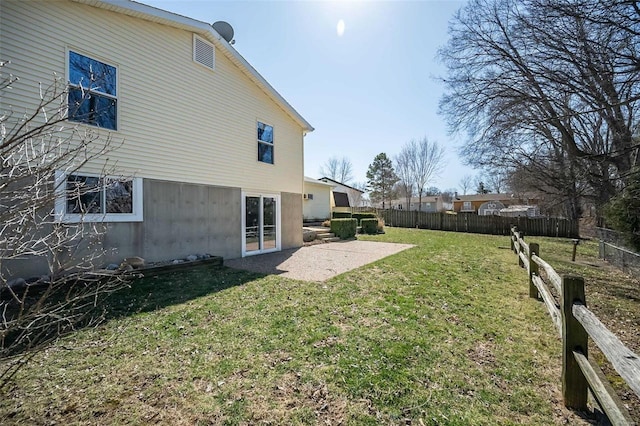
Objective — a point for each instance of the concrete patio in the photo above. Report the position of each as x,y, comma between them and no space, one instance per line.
318,262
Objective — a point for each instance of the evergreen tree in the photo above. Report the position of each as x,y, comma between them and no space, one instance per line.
381,179
623,211
481,189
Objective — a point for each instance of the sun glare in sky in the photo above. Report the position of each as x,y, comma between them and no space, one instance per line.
340,28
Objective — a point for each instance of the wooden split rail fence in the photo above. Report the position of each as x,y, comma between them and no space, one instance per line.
576,324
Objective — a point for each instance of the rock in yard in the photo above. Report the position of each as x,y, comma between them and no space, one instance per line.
308,236
111,267
136,262
125,267
192,257
176,261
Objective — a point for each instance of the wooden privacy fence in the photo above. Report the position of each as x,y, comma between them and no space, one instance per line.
470,222
576,324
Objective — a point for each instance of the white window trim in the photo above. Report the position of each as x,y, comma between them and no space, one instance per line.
106,95
467,206
271,144
243,223
61,214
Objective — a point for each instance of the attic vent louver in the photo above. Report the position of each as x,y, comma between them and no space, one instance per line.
203,52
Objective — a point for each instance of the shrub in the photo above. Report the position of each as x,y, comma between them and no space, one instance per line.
361,216
341,215
344,228
369,225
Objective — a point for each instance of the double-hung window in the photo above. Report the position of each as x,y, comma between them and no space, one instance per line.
265,143
89,198
92,91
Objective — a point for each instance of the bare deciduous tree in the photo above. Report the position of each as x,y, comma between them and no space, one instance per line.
466,183
35,149
428,162
551,86
338,169
404,171
359,198
447,195
496,180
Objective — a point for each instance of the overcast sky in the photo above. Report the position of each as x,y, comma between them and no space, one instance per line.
364,74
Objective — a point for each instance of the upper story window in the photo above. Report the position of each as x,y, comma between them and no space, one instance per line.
265,143
466,205
92,198
92,91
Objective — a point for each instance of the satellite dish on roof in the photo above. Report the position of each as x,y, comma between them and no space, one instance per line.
224,29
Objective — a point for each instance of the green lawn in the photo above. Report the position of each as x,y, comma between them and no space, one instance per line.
612,295
443,333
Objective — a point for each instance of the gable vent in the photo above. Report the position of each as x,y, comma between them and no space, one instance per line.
203,52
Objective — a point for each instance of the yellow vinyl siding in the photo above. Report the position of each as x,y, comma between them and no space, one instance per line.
179,121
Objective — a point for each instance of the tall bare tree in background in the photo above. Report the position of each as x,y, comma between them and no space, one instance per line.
427,163
404,170
495,180
35,148
338,169
550,88
465,183
358,197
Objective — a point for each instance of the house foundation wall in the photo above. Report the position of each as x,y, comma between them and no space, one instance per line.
291,220
179,219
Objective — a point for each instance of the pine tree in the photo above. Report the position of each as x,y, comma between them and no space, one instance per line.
381,179
481,189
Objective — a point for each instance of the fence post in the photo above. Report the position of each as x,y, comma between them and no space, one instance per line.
521,237
533,269
574,338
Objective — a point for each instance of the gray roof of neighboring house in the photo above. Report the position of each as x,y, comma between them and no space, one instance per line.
160,16
426,199
324,178
317,182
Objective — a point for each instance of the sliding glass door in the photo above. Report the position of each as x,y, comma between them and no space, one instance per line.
261,223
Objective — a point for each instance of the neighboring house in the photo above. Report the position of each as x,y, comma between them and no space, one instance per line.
488,204
491,208
316,204
214,151
429,204
344,195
